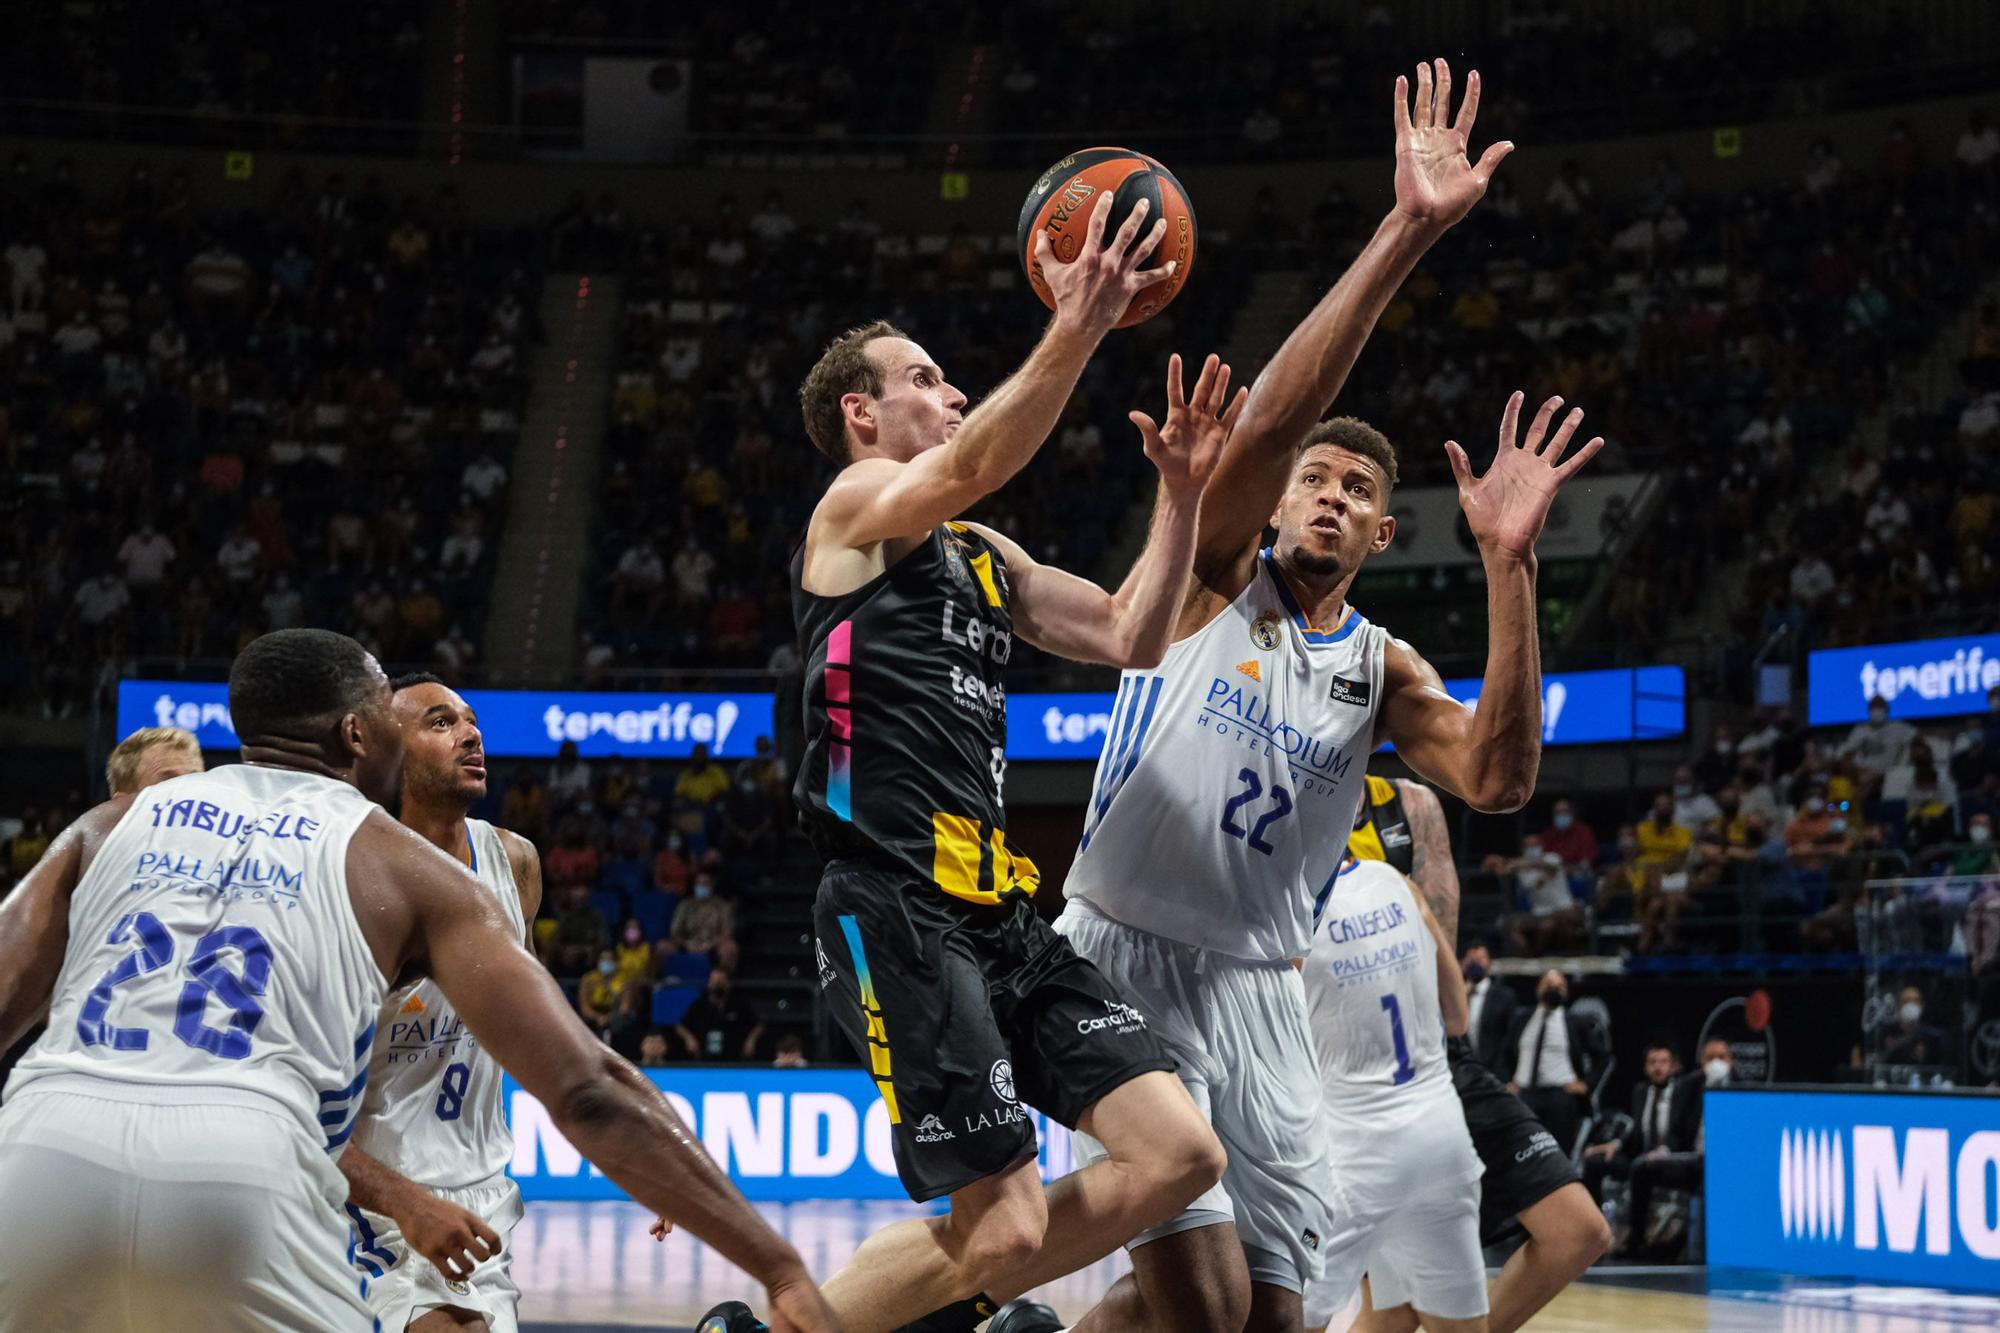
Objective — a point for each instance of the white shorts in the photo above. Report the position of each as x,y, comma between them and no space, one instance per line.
1405,1211
168,1215
1239,1031
402,1285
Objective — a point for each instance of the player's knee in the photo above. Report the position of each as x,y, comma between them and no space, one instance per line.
1000,1245
1189,1164
1583,1236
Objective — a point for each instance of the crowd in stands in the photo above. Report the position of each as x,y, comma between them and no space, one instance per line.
1763,841
1196,83
218,424
643,866
275,73
704,496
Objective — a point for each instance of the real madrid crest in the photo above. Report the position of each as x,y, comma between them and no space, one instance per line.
1264,630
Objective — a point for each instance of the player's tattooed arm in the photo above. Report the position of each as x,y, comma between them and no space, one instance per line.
34,920
1431,865
1453,1005
454,1239
1436,185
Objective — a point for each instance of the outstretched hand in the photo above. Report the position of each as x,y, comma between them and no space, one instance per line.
1187,448
1436,183
1507,507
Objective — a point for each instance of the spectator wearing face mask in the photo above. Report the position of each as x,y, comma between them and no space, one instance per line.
597,996
1694,808
635,955
1571,839
704,923
1492,1005
1661,866
791,1053
717,1027
1553,919
1910,1040
1555,1058
1978,857
1877,745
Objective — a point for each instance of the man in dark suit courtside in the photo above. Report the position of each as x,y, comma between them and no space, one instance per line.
1493,1006
1554,1059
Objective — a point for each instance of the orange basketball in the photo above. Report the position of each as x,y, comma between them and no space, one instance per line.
1064,195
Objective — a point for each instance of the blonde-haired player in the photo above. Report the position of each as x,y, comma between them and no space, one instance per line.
149,756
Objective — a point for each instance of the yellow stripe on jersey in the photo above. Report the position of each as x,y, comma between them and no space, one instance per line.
982,569
1365,843
969,863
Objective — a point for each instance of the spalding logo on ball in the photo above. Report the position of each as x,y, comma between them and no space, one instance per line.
1060,205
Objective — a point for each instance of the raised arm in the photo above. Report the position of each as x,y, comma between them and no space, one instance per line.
1453,1005
1073,617
430,916
1436,185
1488,755
1431,867
880,499
34,920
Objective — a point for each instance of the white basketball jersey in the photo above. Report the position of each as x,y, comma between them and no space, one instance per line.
1372,996
214,954
434,1110
1231,775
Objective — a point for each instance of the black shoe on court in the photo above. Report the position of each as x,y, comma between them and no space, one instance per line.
731,1317
1025,1316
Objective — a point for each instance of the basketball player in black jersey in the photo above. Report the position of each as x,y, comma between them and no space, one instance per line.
1529,1184
963,1001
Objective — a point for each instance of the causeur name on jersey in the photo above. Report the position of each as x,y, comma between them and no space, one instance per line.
212,818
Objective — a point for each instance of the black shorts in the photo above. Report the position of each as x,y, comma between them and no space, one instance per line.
1524,1163
965,1014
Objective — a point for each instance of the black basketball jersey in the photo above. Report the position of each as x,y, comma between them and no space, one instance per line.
1381,829
906,717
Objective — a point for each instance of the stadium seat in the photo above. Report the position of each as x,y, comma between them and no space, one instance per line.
655,912
611,905
692,967
671,1002
627,877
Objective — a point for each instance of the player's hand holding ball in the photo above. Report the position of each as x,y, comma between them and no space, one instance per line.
1436,182
1187,447
1091,292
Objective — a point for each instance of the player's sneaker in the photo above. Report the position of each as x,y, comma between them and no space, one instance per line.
731,1317
1025,1316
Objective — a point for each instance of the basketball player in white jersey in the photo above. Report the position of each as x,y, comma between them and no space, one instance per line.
1383,990
428,1192
1233,771
211,956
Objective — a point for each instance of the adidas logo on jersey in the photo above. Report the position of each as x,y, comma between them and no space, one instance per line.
414,1005
931,1130
1252,670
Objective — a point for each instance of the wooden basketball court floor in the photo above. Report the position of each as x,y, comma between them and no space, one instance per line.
591,1268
